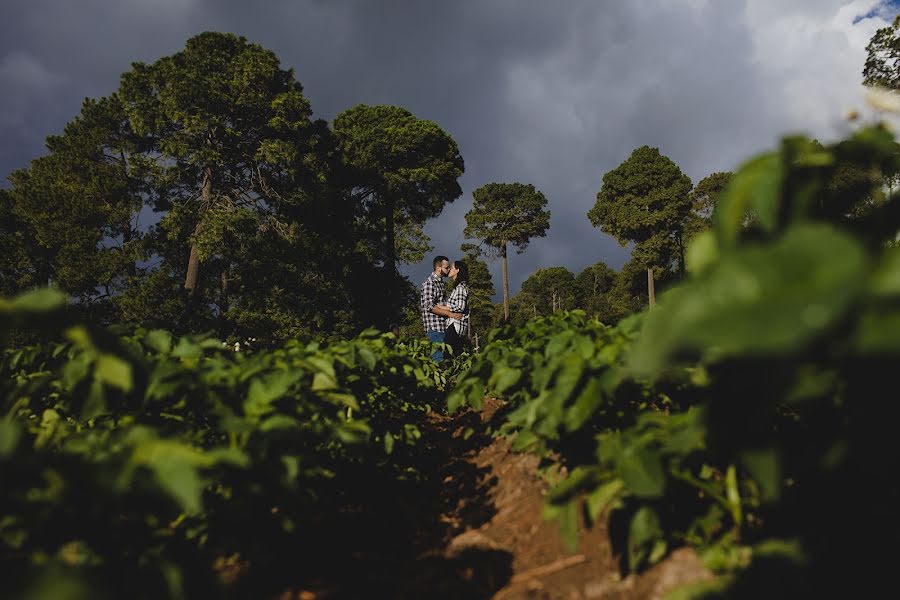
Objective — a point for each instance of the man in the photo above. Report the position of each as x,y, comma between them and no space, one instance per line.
433,304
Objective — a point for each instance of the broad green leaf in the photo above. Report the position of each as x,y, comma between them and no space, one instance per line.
644,535
764,466
353,432
589,398
756,188
185,348
566,490
566,377
95,403
159,340
323,382
10,433
566,515
35,301
604,496
367,358
278,422
878,331
323,365
264,390
503,379
756,299
702,252
790,550
343,399
641,470
113,371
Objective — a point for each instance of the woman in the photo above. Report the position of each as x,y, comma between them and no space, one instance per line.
458,329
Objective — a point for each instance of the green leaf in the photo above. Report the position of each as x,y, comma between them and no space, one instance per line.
159,340
641,470
756,188
702,252
567,517
388,443
756,299
278,422
95,403
503,378
604,496
566,490
10,434
265,390
367,358
35,301
187,349
113,371
644,538
353,432
589,398
764,466
323,382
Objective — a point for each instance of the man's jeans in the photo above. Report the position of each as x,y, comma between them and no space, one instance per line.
436,337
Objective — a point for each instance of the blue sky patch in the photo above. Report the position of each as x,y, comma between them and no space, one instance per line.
887,9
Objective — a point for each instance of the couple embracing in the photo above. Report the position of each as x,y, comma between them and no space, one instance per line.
446,319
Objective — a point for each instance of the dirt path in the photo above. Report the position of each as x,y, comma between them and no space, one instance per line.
469,526
542,566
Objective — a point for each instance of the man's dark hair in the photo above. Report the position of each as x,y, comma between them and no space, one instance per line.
438,260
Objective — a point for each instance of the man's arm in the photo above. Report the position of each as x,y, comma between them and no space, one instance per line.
429,302
443,311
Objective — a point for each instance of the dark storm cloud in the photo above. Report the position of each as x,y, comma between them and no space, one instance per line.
552,94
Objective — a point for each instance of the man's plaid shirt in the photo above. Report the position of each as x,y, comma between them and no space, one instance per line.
433,292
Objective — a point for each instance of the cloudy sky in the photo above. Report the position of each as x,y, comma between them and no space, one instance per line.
549,93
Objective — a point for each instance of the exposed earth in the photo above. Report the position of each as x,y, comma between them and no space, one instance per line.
472,529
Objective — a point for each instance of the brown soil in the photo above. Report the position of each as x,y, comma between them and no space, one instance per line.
473,528
542,565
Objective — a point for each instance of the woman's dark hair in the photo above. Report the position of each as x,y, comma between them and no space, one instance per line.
463,275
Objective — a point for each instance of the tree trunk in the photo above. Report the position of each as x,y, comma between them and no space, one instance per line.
505,283
127,236
127,231
390,258
650,291
193,270
681,261
223,305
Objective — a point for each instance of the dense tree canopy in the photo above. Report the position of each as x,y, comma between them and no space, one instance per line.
216,140
402,170
703,203
80,202
646,201
503,214
233,135
882,66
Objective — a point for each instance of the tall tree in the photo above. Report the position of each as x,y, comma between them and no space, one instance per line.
882,66
481,291
20,260
645,200
402,171
232,130
703,203
550,289
592,287
82,199
503,214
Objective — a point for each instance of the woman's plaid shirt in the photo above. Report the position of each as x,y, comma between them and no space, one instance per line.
433,292
459,302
